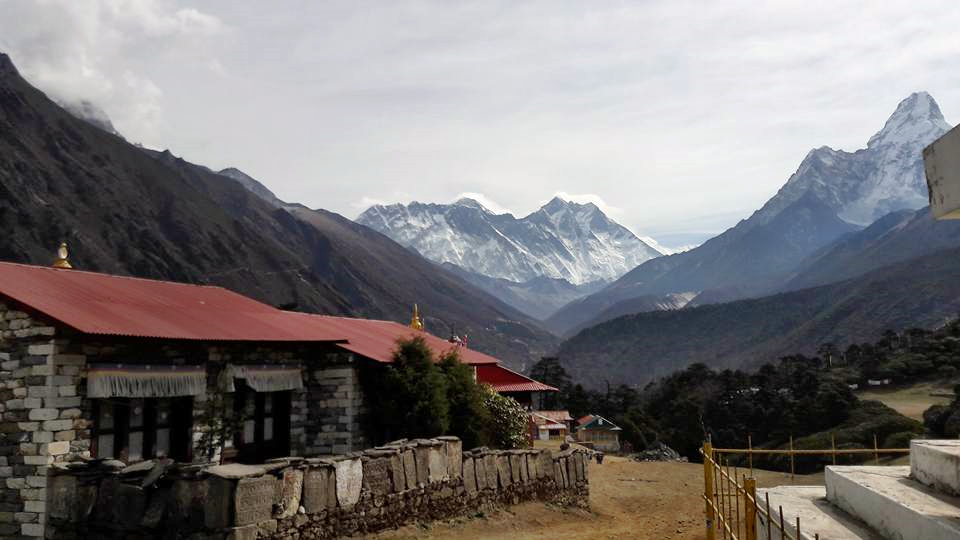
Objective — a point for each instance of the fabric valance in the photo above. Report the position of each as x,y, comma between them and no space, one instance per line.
145,381
263,378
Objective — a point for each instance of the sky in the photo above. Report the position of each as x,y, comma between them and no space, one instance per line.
677,118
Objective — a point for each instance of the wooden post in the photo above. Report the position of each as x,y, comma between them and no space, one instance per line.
750,504
708,490
876,454
791,458
750,455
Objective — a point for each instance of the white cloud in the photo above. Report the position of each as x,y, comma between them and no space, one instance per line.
667,110
103,51
487,202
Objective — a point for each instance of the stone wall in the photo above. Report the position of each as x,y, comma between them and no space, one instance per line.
42,417
382,488
336,404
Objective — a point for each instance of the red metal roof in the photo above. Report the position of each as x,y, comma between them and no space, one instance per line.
377,340
95,303
504,380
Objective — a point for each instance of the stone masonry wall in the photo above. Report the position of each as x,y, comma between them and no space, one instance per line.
335,404
386,487
42,418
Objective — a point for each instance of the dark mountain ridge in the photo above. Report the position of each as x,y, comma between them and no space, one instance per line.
127,211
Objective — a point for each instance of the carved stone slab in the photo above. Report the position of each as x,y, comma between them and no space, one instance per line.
515,466
469,477
291,491
409,460
571,470
479,465
578,461
503,470
454,451
349,481
319,490
423,464
377,477
438,464
62,496
396,473
490,467
545,464
253,499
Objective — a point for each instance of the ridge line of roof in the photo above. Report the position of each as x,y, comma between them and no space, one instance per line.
77,271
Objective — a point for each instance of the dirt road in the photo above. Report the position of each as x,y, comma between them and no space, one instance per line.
628,500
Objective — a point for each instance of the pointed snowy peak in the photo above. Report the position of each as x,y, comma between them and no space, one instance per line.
915,117
471,203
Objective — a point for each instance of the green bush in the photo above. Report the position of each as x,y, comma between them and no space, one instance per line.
509,420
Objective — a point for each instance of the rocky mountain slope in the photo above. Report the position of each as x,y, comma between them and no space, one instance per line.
125,210
918,292
895,237
832,193
562,240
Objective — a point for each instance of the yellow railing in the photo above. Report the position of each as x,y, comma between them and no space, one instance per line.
732,507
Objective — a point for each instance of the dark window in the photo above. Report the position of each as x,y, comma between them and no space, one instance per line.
264,427
135,429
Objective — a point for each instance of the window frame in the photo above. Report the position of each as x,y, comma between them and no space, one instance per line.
179,438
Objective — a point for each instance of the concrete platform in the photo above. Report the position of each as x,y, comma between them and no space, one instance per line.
892,504
936,463
817,515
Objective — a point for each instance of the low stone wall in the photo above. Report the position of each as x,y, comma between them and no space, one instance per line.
382,488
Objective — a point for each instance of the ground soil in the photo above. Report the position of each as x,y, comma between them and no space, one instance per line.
628,499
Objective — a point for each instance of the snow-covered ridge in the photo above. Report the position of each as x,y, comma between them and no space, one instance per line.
561,240
869,183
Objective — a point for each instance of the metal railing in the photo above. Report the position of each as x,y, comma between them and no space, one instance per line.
732,508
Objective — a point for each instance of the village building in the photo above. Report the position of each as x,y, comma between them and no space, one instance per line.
551,425
598,433
104,366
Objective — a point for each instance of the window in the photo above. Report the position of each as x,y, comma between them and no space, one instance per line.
265,424
135,429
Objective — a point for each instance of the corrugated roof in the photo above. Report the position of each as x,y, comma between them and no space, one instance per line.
377,340
104,304
558,416
505,380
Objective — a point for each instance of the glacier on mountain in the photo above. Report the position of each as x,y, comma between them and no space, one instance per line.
562,240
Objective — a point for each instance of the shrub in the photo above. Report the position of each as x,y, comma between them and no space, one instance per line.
509,420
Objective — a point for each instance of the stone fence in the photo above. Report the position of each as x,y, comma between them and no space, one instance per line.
363,492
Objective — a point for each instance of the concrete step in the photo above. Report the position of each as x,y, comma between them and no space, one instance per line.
936,463
892,504
817,516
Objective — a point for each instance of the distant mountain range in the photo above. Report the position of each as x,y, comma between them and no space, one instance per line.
832,193
127,210
536,263
634,349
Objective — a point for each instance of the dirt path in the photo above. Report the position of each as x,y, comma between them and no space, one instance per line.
627,499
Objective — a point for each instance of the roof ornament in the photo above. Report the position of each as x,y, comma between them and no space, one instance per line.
416,322
62,254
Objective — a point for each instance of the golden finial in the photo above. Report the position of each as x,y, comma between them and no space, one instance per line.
62,255
416,322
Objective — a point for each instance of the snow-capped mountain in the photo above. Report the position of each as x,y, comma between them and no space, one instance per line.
832,193
884,177
561,240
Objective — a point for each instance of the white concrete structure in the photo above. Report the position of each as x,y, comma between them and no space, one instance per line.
941,161
817,516
936,464
870,502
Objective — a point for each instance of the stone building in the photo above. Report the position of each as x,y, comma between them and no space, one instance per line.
102,366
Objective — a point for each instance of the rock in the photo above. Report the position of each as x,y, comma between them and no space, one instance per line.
349,481
235,471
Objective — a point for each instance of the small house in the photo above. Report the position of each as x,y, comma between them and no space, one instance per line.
599,432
